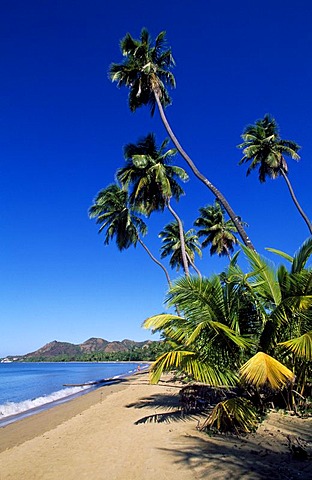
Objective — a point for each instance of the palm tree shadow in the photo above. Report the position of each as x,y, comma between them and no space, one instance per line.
170,402
236,459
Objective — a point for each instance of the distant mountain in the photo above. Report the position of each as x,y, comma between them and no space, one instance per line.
55,348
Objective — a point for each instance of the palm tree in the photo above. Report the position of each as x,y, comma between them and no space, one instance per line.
111,210
264,149
255,328
207,337
284,301
152,180
146,72
170,236
218,232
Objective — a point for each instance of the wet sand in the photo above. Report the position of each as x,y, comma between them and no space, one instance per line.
102,435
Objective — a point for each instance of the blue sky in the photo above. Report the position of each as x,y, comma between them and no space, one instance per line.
63,127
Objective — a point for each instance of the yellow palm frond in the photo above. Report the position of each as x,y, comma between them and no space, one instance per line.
262,369
300,346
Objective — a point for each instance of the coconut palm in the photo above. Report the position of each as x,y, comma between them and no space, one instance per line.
171,246
265,150
254,327
111,210
284,301
152,181
207,337
218,232
146,72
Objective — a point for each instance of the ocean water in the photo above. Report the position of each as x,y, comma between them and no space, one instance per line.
26,388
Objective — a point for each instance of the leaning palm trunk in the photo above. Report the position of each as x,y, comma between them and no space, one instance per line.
155,260
293,196
235,219
193,265
182,241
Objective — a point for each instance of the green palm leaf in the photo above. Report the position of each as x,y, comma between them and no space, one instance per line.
300,346
264,274
189,363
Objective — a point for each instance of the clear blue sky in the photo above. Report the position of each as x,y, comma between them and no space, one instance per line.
63,126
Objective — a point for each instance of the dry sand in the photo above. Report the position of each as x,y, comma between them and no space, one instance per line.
96,437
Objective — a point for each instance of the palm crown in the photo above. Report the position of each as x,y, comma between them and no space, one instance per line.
146,68
148,175
264,148
218,232
112,212
172,245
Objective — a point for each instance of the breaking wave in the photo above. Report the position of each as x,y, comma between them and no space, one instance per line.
15,408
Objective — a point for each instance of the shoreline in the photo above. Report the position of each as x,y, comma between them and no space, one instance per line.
50,414
103,435
85,388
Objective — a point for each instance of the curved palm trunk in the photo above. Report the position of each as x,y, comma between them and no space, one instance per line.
181,232
235,219
293,196
155,260
193,265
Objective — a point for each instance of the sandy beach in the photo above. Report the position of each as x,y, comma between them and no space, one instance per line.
102,435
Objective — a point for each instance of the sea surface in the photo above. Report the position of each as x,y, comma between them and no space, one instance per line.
26,388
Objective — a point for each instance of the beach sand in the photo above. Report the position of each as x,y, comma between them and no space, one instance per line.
96,436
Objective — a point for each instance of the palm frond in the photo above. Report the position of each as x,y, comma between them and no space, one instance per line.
281,254
302,256
300,346
233,415
264,370
189,363
264,274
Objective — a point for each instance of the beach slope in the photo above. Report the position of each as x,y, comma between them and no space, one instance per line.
100,436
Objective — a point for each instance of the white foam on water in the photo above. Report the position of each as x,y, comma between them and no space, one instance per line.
14,408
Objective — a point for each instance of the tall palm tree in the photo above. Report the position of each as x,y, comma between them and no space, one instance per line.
264,149
218,232
146,72
111,210
152,181
170,236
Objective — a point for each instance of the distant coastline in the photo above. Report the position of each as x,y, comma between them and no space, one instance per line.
92,350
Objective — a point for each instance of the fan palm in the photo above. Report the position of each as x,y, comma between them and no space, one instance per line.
111,210
146,72
218,232
170,236
152,181
264,149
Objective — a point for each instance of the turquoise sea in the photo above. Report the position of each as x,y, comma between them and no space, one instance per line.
26,388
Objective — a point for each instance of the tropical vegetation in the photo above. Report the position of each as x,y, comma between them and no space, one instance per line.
251,331
146,71
244,334
152,181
